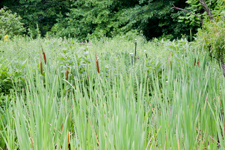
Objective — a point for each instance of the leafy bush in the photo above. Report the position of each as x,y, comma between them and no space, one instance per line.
5,80
9,81
10,23
213,38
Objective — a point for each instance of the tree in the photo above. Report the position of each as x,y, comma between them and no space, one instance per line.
43,13
197,11
96,18
212,38
156,18
92,18
10,24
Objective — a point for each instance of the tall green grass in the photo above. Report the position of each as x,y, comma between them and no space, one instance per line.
144,105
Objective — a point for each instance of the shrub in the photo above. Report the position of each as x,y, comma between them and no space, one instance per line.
213,38
10,23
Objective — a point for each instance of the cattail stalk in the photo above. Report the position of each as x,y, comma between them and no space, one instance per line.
95,55
41,67
43,54
94,130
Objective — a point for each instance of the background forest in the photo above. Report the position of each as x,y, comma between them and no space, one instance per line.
97,18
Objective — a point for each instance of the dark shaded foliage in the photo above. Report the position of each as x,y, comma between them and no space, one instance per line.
94,18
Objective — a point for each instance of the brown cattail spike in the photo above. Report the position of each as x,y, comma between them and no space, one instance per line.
44,57
97,66
197,62
67,74
43,54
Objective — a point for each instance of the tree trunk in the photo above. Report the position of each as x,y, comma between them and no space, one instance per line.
207,9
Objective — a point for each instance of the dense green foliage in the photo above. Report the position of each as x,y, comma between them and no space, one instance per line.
38,13
213,38
85,19
96,18
109,18
10,24
195,7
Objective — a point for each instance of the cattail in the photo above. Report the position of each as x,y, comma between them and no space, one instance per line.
41,67
197,63
43,54
97,66
67,74
171,64
44,57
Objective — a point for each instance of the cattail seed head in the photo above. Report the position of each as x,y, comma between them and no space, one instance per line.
43,54
44,57
67,74
97,66
196,62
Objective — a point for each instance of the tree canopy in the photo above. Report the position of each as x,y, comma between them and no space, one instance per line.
96,18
